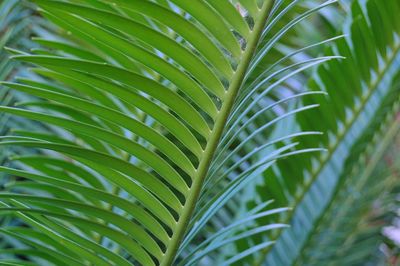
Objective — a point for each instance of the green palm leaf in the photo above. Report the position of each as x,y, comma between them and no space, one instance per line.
330,242
13,20
357,87
141,99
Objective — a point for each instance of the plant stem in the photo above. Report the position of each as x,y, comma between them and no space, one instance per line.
216,134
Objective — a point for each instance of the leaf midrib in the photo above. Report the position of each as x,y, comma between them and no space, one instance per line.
223,114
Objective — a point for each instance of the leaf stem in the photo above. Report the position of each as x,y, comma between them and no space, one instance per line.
216,134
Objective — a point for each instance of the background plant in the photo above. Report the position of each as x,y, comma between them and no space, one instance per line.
165,128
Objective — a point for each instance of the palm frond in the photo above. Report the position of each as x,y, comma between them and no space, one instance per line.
356,87
350,227
141,98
